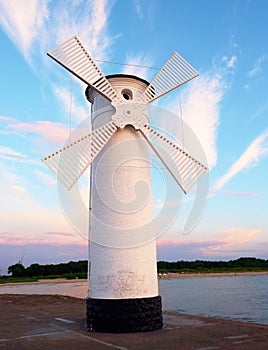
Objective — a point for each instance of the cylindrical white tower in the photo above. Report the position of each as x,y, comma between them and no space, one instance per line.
123,272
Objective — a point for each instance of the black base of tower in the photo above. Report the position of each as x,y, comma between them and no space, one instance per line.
124,315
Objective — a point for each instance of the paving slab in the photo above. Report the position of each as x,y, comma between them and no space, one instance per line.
58,322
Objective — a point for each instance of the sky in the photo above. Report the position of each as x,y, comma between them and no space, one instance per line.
226,107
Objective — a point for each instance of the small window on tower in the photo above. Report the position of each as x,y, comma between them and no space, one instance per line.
127,94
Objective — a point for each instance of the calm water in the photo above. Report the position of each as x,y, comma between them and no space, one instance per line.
242,298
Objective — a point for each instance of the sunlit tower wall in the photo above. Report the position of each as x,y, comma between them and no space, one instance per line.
123,286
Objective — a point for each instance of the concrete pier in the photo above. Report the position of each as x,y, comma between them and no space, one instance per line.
58,322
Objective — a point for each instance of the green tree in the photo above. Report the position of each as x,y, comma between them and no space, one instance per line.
17,270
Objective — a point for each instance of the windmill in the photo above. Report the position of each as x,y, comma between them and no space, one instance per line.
123,277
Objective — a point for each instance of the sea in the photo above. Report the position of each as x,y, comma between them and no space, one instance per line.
239,298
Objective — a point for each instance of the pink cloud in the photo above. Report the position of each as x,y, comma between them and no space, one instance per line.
66,234
51,131
6,119
45,238
173,250
40,253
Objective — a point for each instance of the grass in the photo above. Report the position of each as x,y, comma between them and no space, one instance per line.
68,276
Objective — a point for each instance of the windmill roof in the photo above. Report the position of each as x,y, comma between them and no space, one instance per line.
128,76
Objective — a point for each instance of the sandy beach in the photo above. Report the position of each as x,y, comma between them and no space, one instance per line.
211,274
160,276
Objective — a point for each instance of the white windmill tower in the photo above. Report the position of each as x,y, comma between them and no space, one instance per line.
123,276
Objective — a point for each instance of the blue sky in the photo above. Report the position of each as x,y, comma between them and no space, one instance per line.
226,106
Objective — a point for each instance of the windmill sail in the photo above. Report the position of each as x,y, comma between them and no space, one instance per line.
74,57
70,162
185,169
174,73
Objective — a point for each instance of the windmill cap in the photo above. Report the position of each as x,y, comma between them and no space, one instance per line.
90,93
127,76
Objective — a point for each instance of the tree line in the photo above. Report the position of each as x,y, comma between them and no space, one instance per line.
72,268
79,269
241,264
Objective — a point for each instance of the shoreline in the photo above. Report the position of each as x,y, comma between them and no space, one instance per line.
169,275
210,274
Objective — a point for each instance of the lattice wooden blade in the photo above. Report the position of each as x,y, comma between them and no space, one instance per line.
70,162
184,169
74,57
174,73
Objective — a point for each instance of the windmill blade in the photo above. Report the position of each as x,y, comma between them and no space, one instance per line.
174,73
70,162
74,57
185,170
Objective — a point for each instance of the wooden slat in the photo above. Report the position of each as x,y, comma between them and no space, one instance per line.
185,169
175,72
71,161
74,57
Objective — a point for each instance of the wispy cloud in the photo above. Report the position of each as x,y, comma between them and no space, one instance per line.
237,235
5,118
201,111
230,61
249,159
258,66
237,193
138,65
232,242
138,8
38,26
51,237
41,23
50,253
52,132
23,22
59,233
47,179
11,154
174,250
77,111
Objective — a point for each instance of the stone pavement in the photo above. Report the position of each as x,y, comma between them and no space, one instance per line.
58,322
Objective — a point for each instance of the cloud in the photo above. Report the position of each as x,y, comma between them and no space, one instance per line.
239,193
237,235
11,154
52,132
22,22
258,66
138,9
40,23
38,252
47,180
139,65
6,119
64,234
201,111
17,190
228,243
174,250
88,21
56,238
39,26
234,241
77,111
230,61
257,150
